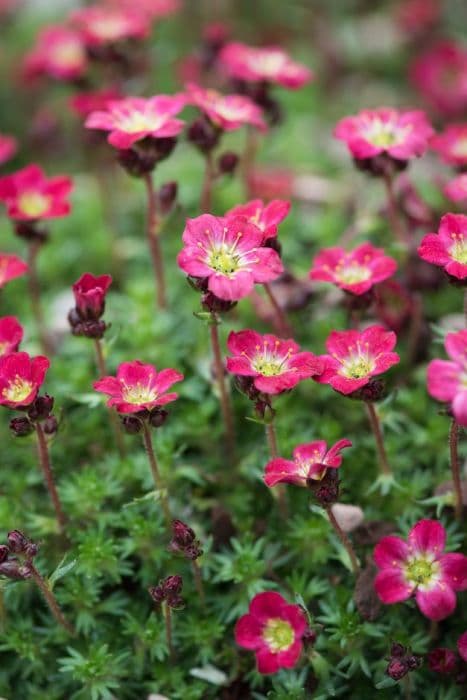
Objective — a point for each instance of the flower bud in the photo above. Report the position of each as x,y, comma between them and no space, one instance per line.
40,409
167,196
168,591
31,231
398,650
397,669
4,552
326,491
373,391
182,534
442,660
89,292
203,134
157,417
13,569
309,637
132,425
21,426
227,162
210,302
17,542
50,425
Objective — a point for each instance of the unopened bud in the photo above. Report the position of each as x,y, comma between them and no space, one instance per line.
227,162
21,426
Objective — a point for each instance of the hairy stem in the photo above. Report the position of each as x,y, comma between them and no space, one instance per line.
393,211
50,599
249,158
44,460
226,406
344,539
101,367
282,324
376,428
35,298
147,439
455,468
152,232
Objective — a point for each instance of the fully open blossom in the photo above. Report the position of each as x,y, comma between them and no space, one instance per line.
273,629
8,148
11,267
447,379
402,135
440,74
107,25
266,217
268,64
21,377
59,53
274,365
134,118
420,567
11,334
355,271
227,253
138,387
357,356
228,112
30,195
84,103
154,9
89,292
456,189
462,645
310,461
451,144
448,248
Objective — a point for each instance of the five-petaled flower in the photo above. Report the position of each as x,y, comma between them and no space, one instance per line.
357,356
11,267
138,387
228,253
456,189
30,195
310,461
59,53
448,248
21,377
105,25
355,271
269,65
273,629
274,365
132,119
11,335
451,144
228,112
266,217
154,9
401,135
89,292
447,379
8,147
84,103
420,567
440,75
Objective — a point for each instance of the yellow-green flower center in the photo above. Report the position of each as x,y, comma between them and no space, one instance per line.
352,274
68,54
224,260
18,390
278,634
358,363
33,204
458,250
135,122
385,134
421,571
139,394
460,147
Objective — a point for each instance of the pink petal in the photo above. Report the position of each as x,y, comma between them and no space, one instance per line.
282,471
266,661
244,342
241,366
459,408
433,250
166,378
436,603
391,552
248,632
428,536
391,586
454,569
456,346
231,288
442,379
266,605
289,657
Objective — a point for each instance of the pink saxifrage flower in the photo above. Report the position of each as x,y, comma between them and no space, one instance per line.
420,567
273,629
448,248
8,148
11,267
138,387
21,377
270,65
154,9
228,112
355,271
274,365
401,135
106,25
11,335
451,144
357,356
266,217
456,190
447,379
89,292
84,103
440,74
310,461
442,660
135,118
59,53
30,195
228,253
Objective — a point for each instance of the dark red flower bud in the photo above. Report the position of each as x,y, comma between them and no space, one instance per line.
132,425
13,569
17,542
157,417
4,552
442,660
373,391
168,591
309,637
380,165
414,661
134,163
31,231
90,292
182,533
325,491
50,425
210,302
40,409
21,426
246,386
398,650
227,162
203,134
90,329
167,196
397,669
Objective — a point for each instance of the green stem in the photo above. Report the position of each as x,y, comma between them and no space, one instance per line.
344,539
147,439
46,466
376,428
456,475
152,233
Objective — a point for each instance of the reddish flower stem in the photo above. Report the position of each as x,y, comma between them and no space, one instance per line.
206,192
456,475
393,211
44,460
249,158
50,599
199,582
35,297
167,613
226,406
101,367
283,326
273,453
376,428
147,439
152,232
344,539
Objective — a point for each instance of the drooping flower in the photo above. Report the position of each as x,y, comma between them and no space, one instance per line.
270,65
462,645
266,217
11,335
451,144
228,112
135,118
106,25
447,248
30,195
310,461
138,387
274,365
84,103
8,148
446,379
11,267
401,135
59,53
440,74
357,356
21,377
420,567
456,190
227,253
89,292
355,271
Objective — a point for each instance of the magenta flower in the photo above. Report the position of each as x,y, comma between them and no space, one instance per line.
266,217
11,267
446,379
29,195
21,377
273,629
462,645
106,25
451,144
227,253
135,118
138,387
447,248
274,365
442,660
310,461
357,356
440,74
419,567
456,190
270,65
11,335
89,292
356,271
228,112
8,148
59,53
271,183
401,135
84,103
154,9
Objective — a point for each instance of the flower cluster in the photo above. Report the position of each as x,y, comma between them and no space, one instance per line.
448,247
184,541
16,556
89,292
168,591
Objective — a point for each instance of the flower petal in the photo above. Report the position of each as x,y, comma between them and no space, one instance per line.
391,586
437,602
428,536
